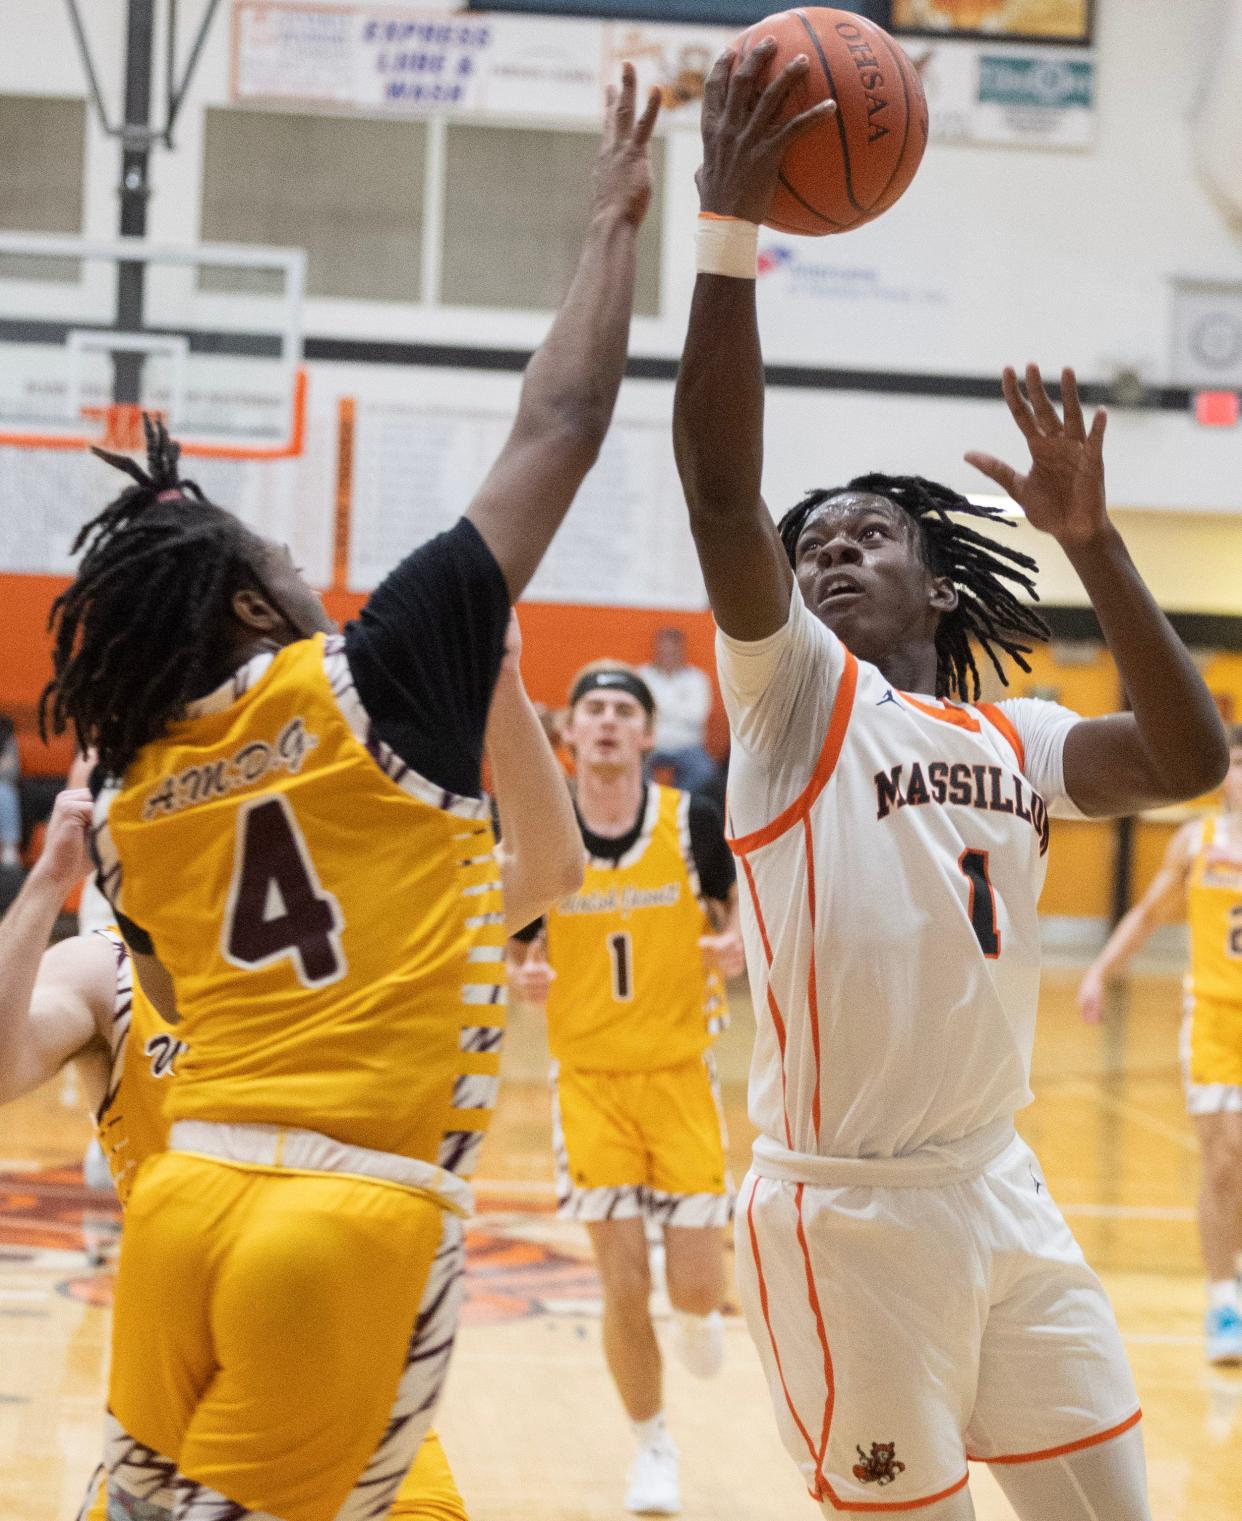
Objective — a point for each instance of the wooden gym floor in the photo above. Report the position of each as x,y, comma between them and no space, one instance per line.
530,1421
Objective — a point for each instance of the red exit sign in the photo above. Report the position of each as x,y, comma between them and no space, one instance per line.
1217,409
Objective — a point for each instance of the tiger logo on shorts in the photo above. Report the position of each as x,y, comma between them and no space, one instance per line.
881,1467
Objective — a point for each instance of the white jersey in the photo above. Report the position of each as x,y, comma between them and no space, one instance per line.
892,849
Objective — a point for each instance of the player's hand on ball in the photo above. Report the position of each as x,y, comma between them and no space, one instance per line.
724,953
623,168
1063,491
66,858
1091,998
744,139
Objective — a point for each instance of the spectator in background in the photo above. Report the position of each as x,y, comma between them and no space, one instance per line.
683,698
10,799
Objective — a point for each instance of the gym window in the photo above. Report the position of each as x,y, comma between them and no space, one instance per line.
347,189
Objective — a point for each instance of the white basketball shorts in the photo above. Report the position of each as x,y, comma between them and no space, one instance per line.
905,1330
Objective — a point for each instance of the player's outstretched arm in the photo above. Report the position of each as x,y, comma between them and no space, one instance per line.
51,1001
572,381
723,949
1164,899
1172,745
541,852
718,411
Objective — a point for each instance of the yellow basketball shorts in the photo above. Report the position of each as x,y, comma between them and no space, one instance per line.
628,1144
428,1492
1211,1049
280,1338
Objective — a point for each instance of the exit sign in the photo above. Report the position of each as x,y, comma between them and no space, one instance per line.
1217,409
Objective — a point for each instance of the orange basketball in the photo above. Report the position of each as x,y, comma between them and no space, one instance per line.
852,166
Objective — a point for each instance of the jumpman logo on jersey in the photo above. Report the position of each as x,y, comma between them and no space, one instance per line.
888,697
1035,1178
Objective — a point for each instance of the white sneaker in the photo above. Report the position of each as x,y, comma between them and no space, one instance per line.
698,1341
654,1487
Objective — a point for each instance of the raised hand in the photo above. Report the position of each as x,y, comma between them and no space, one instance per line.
744,139
65,857
1063,491
724,953
623,168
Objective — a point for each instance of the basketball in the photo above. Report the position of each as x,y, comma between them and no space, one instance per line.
854,165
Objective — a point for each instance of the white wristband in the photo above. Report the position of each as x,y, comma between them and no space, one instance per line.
727,246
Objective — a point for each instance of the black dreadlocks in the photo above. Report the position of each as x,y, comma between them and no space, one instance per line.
987,610
137,634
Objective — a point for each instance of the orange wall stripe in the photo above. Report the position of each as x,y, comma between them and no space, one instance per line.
842,707
998,719
346,418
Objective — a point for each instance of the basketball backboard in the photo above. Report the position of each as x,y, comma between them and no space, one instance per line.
217,353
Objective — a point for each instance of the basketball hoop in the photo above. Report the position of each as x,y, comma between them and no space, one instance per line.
123,431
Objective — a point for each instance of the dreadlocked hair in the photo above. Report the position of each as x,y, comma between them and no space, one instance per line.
988,612
137,633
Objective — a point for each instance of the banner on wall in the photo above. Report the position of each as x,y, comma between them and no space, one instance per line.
1026,97
477,65
419,62
1048,20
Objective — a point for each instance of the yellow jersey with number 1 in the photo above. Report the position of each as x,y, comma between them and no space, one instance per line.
332,921
1214,911
631,993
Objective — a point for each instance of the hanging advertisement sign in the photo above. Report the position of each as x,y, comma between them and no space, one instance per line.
1017,20
1025,97
467,64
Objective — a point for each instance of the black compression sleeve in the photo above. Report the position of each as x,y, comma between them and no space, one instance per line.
713,859
425,652
525,936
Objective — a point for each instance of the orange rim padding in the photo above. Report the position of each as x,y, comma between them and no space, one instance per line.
122,430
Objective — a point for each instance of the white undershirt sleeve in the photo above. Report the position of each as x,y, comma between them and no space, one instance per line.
778,693
768,684
1042,727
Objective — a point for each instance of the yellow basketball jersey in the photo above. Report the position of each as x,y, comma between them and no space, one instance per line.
132,1122
331,920
631,993
1214,911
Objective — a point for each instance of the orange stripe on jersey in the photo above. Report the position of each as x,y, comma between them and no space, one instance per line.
842,707
773,1006
1057,1452
995,717
780,1372
945,714
812,981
